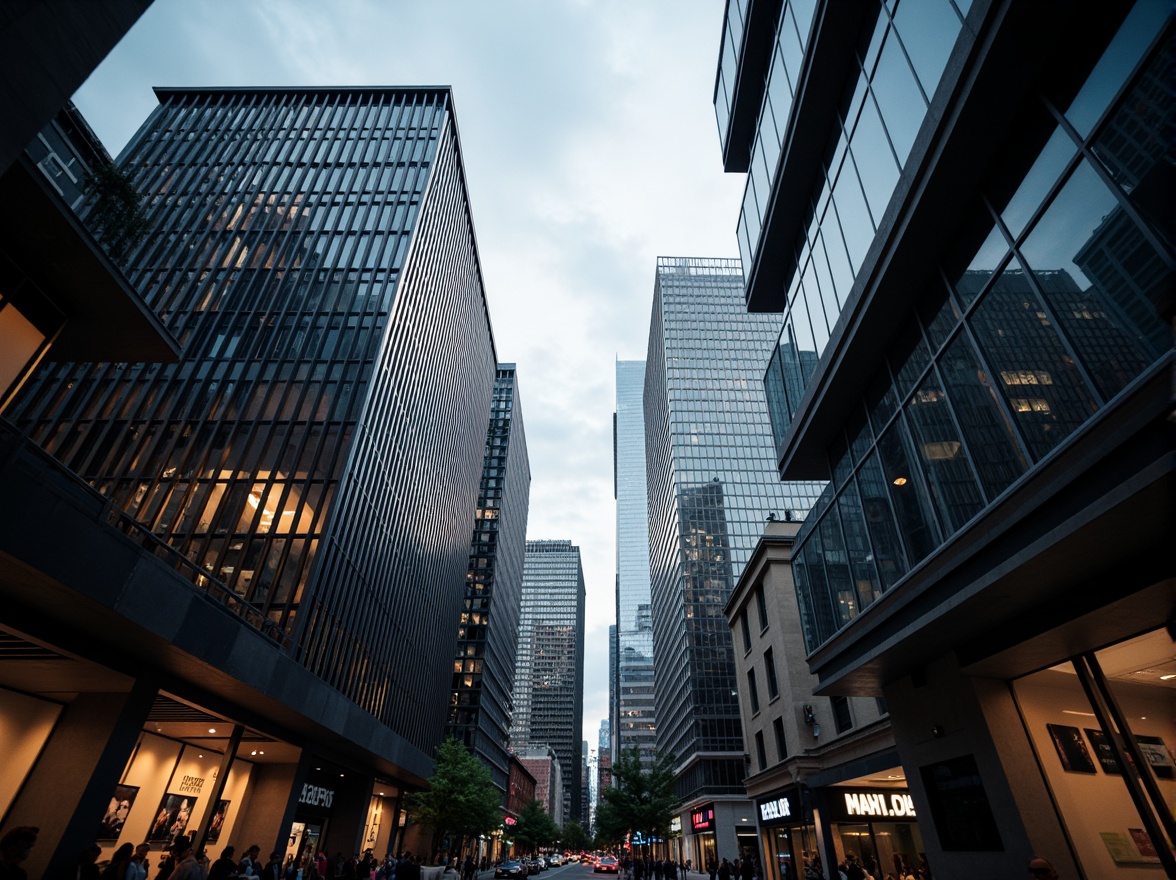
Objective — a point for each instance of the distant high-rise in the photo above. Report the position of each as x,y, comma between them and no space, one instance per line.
712,483
549,688
636,721
315,455
488,631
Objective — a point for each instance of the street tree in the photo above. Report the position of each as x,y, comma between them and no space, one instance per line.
574,837
461,802
534,827
641,800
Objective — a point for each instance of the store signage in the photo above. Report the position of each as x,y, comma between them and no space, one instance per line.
780,808
703,819
878,804
190,785
317,796
508,820
676,825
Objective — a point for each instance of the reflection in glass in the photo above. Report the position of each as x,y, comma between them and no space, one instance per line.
912,506
928,29
902,104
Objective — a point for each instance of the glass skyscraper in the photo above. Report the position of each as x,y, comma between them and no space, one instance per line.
549,681
962,209
316,453
636,719
488,631
712,483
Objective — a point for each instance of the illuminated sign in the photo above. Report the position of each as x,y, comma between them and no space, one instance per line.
676,825
780,808
864,803
316,796
703,819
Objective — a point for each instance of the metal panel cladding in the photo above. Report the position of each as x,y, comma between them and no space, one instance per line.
317,451
712,482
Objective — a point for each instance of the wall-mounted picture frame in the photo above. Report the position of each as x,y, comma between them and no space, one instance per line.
1071,748
1103,751
111,826
1155,750
171,819
217,823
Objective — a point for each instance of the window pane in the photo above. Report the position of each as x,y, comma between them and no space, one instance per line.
1106,314
945,459
1048,167
899,98
928,29
912,507
980,266
939,313
778,410
856,225
889,556
1048,397
875,161
837,570
857,545
995,450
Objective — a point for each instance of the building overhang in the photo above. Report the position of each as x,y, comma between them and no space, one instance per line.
1075,557
105,319
70,578
747,93
990,79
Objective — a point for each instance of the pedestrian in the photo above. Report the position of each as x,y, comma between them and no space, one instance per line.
225,867
188,867
249,866
137,866
724,870
15,846
1042,869
117,868
712,867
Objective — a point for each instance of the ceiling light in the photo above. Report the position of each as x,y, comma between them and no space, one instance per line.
254,752
900,481
1072,712
261,753
1168,677
340,775
212,730
200,756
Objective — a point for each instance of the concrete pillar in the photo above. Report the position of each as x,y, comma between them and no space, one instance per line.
68,790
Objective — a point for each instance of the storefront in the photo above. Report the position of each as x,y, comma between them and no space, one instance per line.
702,824
1103,726
787,835
876,825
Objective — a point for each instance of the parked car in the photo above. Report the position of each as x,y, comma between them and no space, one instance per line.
555,860
510,869
541,861
605,865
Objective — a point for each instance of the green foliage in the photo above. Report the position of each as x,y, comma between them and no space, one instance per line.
461,801
534,827
115,215
574,837
641,799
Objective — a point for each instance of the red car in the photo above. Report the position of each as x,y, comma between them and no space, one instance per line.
605,865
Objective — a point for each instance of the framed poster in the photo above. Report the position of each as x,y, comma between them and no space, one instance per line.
217,823
1104,753
110,828
171,819
1157,755
1071,749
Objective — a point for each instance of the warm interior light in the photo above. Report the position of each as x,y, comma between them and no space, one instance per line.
1168,677
254,752
900,481
1073,712
212,730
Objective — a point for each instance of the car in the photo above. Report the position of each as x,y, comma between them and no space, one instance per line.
605,865
533,866
555,860
542,863
510,869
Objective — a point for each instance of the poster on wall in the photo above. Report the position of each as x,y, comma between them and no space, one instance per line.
111,826
217,823
1102,749
171,819
1071,748
1157,755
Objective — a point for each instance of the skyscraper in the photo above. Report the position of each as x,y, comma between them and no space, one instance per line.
963,212
549,685
488,631
712,483
311,463
636,718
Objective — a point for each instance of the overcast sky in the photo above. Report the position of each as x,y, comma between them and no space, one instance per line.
591,149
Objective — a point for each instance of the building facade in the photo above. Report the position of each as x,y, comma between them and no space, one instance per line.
813,760
976,351
488,630
549,685
636,717
243,577
711,485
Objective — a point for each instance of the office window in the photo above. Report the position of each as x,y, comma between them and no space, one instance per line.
762,606
770,672
746,632
781,743
760,754
841,717
752,691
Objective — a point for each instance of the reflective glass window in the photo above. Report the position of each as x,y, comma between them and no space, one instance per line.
1143,23
816,314
860,555
912,506
889,556
983,262
856,225
839,265
804,594
928,29
908,358
1036,373
1106,314
995,450
1038,181
902,104
797,362
944,458
778,409
939,314
844,597
880,401
825,621
875,160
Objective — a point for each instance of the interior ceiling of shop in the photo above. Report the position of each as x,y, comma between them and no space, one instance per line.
189,724
1145,659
